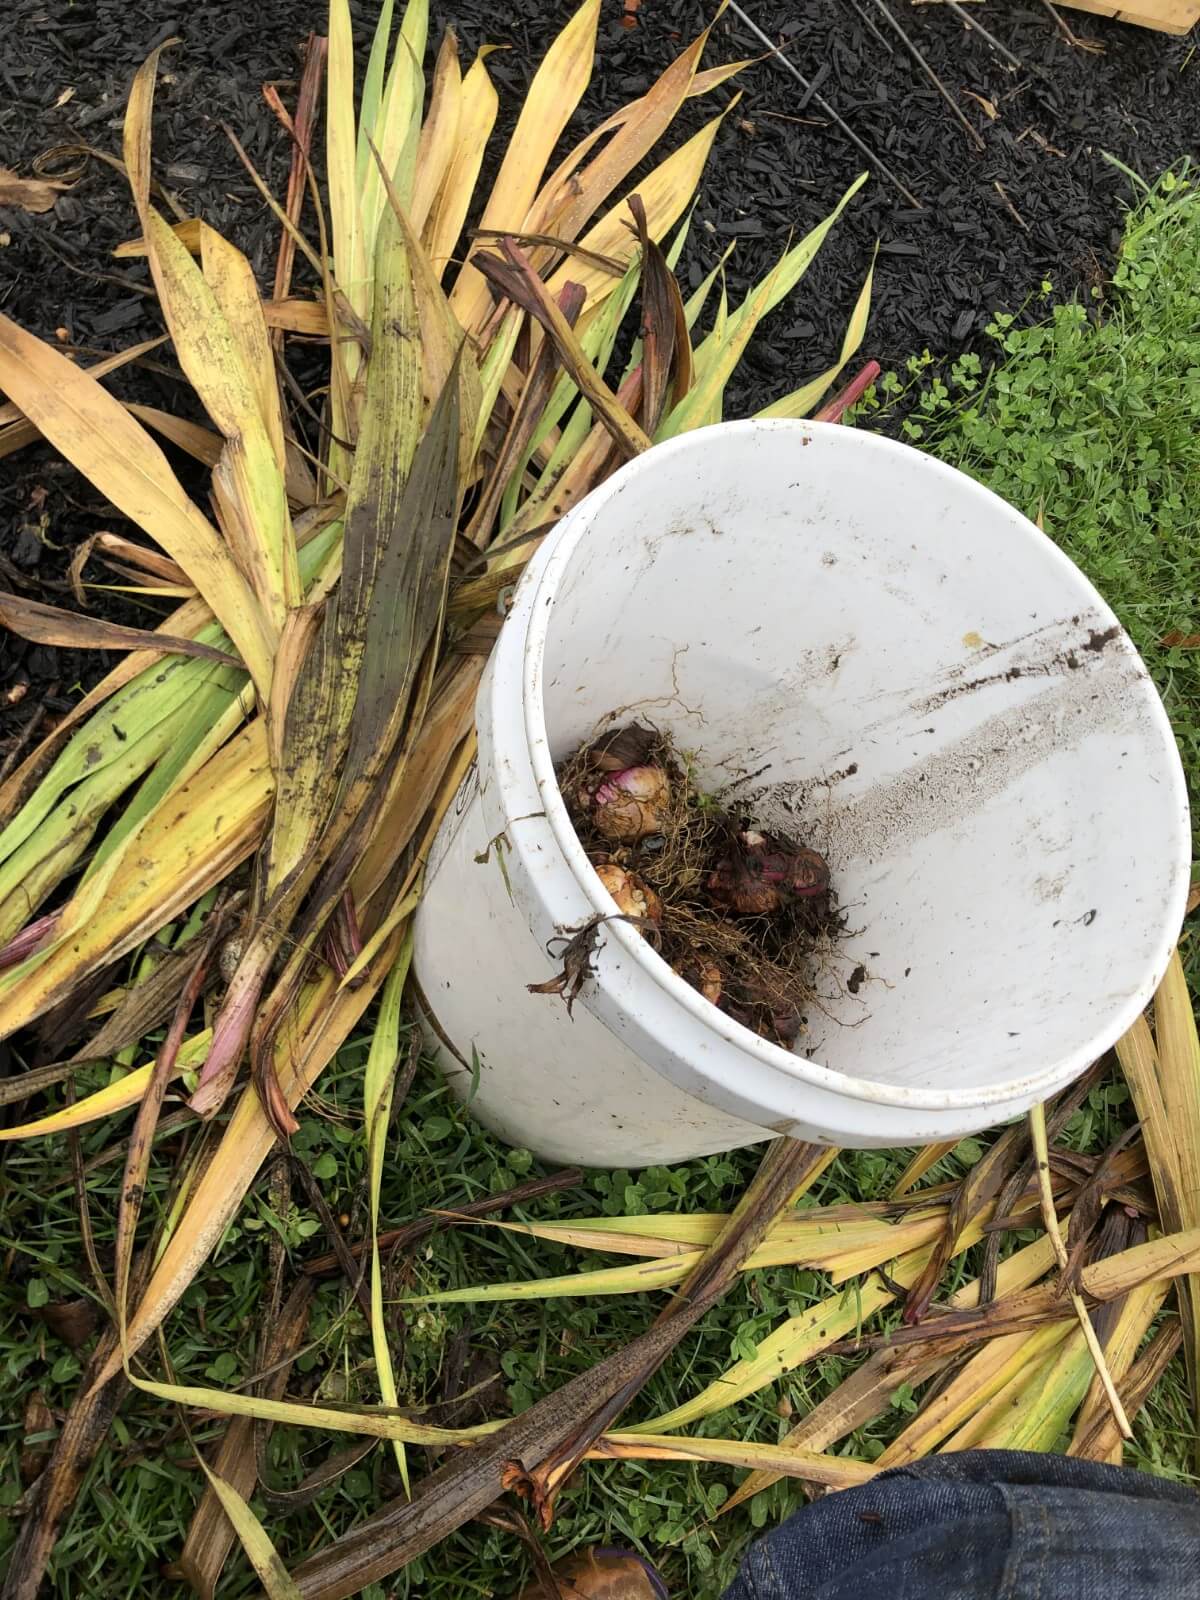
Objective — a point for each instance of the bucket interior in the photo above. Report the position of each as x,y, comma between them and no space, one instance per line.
922,687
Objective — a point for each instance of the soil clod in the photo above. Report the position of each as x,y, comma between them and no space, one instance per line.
748,918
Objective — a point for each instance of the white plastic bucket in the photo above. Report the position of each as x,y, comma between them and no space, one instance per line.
937,699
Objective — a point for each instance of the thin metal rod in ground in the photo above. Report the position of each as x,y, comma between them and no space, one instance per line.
989,38
1069,33
941,88
1060,23
882,37
820,101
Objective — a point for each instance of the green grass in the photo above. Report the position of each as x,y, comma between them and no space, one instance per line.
135,1510
1091,417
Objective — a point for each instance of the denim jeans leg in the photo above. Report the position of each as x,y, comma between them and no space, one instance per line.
986,1525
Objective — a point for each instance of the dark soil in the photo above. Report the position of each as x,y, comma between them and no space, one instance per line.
1038,201
749,920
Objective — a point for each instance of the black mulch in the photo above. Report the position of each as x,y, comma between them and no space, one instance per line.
1039,200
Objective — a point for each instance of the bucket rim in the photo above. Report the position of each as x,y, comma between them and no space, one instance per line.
1031,1086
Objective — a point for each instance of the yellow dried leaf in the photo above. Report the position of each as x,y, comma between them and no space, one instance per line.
558,186
989,1370
396,128
28,194
1120,1351
99,437
799,404
1172,1256
666,194
231,279
378,1080
107,1102
577,195
553,95
439,133
188,233
349,255
255,1540
185,847
377,1424
250,471
926,1158
229,366
836,1472
479,104
1036,1404
322,1022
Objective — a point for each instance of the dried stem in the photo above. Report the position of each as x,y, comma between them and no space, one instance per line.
137,1160
882,37
819,100
21,741
412,1233
300,131
1001,50
850,395
787,1170
941,88
1037,1130
1093,46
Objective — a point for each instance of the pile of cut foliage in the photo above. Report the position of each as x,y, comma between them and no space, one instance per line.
234,822
208,870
